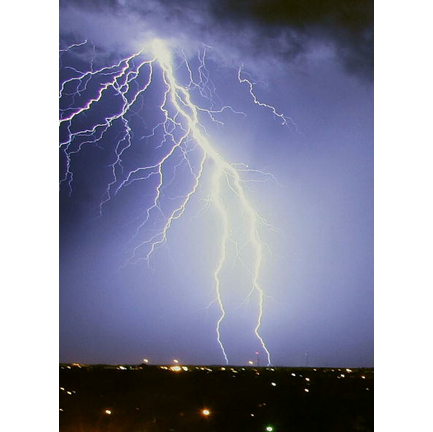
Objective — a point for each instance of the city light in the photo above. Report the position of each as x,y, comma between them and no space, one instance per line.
257,408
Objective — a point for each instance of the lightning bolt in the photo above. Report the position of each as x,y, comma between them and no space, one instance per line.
183,135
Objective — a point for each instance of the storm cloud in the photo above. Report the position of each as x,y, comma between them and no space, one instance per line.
280,30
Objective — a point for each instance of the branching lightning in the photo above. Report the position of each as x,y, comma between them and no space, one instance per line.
184,135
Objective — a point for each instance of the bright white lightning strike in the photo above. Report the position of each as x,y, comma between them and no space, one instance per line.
182,132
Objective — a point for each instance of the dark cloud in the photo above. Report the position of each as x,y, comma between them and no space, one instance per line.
281,29
345,24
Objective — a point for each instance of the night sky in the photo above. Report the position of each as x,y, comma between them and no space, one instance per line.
322,95
311,61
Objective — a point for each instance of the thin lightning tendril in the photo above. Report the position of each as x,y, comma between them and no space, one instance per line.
182,133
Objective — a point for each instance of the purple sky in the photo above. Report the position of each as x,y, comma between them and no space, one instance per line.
313,65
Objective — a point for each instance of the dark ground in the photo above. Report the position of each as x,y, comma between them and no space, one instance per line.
242,399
